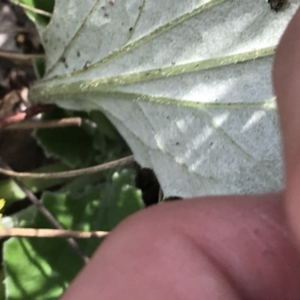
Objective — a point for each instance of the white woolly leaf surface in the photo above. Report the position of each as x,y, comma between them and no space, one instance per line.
186,82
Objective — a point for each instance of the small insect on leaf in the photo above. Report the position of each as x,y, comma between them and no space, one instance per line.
276,4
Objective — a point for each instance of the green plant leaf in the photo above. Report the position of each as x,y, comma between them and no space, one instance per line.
23,218
103,124
43,268
43,5
187,84
73,145
47,6
10,191
2,288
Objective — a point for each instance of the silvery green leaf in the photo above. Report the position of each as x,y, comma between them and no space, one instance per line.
186,82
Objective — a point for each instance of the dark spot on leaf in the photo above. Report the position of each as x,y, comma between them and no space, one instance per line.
106,15
64,61
78,53
131,28
276,4
177,143
86,65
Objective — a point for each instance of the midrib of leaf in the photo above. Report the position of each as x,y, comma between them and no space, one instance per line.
186,68
66,93
122,50
102,85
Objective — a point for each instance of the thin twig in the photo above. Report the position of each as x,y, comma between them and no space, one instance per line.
28,113
51,233
20,57
13,30
36,10
39,205
35,124
68,174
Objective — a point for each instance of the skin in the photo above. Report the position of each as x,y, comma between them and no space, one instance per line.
213,248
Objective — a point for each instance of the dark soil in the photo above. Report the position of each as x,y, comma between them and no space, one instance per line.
17,148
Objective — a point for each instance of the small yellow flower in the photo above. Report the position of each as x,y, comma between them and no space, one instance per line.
2,203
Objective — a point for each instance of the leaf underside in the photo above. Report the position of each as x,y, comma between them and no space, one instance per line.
187,84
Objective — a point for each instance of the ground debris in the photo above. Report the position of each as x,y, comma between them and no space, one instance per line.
18,34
